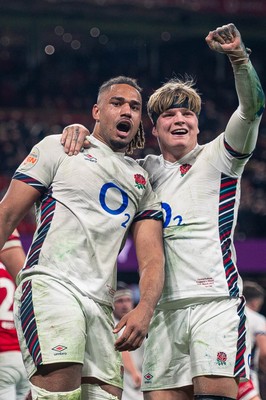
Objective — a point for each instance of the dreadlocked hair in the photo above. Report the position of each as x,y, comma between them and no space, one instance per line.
138,141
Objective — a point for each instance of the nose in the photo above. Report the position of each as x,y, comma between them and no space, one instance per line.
126,109
179,118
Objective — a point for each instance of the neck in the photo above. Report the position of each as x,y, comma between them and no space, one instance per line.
115,146
176,155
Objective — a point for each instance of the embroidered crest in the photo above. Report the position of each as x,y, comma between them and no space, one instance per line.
89,157
221,358
140,181
185,168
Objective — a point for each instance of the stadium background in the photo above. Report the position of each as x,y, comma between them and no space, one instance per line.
54,54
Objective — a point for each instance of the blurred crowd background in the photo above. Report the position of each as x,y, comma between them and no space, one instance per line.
54,55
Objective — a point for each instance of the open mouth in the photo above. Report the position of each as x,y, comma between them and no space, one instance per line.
123,126
179,132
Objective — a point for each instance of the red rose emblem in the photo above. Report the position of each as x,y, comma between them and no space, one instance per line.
185,168
221,358
140,181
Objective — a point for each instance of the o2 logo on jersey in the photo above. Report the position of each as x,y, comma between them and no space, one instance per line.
121,208
168,216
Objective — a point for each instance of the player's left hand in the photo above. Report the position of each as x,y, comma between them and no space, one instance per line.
74,139
135,324
227,39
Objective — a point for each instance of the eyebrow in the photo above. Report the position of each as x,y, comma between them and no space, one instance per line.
122,99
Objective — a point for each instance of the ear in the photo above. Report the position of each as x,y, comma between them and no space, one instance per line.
96,112
154,131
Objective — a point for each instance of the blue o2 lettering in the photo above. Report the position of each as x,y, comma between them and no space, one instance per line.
179,219
168,215
124,224
121,208
102,197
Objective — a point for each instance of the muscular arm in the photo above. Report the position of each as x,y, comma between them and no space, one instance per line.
18,200
147,235
242,130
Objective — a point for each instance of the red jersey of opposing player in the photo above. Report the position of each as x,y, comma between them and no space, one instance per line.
8,334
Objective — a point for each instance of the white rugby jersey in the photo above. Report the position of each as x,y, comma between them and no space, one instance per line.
86,207
200,198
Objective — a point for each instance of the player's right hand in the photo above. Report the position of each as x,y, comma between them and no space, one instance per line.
74,139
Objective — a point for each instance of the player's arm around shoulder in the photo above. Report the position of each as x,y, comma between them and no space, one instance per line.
74,138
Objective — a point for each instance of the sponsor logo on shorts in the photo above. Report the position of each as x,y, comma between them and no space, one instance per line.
148,378
221,358
59,350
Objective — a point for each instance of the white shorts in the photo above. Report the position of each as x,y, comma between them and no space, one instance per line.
14,383
203,339
56,323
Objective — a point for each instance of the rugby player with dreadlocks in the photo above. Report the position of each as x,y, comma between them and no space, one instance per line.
86,206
